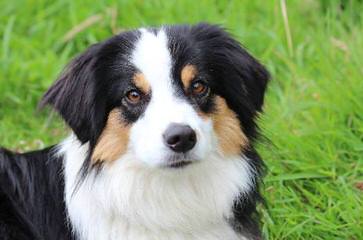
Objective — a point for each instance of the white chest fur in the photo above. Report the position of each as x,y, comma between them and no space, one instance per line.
129,201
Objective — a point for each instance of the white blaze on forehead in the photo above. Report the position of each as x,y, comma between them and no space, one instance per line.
151,56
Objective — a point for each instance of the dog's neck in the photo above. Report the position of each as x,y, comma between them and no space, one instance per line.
128,201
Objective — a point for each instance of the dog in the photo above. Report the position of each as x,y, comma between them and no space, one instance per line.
162,144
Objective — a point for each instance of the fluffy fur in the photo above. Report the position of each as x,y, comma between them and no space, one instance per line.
115,177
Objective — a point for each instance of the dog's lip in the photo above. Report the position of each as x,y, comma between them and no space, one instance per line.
179,164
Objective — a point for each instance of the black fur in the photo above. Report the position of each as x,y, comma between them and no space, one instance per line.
31,189
31,196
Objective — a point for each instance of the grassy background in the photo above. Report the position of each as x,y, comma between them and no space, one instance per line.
314,107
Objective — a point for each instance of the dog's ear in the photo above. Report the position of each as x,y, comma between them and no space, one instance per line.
73,95
250,74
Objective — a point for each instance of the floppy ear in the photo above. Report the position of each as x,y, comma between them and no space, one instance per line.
252,74
73,95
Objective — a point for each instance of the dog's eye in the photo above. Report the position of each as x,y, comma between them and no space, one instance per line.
133,96
199,88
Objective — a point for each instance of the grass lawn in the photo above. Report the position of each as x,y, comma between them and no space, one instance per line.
314,107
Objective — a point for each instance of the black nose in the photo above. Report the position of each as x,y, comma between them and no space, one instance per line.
179,137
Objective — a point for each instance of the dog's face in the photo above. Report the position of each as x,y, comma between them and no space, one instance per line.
170,97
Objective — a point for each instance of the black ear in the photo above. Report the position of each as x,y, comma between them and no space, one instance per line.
73,95
252,74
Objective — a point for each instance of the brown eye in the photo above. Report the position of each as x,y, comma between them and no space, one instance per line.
199,88
133,96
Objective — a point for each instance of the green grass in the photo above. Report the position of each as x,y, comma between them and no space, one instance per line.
314,106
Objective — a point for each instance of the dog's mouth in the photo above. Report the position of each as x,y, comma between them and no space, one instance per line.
179,164
179,160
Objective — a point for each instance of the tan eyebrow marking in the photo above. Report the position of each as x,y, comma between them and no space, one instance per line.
140,81
188,74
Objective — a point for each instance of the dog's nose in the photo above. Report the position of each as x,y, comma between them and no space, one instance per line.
179,137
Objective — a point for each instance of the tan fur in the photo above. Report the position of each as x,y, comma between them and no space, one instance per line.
141,82
227,127
188,74
113,140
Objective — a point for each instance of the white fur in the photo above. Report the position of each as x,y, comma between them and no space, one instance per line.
128,201
135,197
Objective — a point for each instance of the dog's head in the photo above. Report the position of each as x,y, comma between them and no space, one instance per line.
171,97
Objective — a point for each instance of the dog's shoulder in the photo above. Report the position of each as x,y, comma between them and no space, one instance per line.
31,195
14,222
